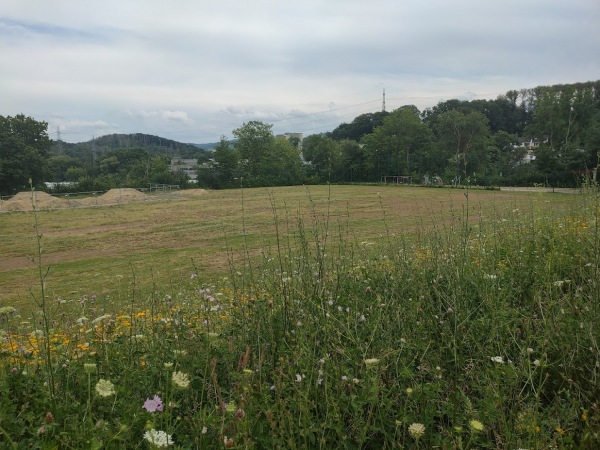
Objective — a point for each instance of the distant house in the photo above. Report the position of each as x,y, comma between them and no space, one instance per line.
187,166
530,145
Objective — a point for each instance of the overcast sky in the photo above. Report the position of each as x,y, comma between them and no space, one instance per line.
193,70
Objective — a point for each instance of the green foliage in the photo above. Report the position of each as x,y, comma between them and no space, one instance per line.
359,127
472,336
263,159
24,146
400,146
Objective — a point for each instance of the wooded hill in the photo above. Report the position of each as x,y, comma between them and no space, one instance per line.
154,145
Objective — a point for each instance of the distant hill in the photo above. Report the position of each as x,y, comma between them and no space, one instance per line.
208,146
154,145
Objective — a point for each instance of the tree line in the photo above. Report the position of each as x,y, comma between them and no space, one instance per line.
480,142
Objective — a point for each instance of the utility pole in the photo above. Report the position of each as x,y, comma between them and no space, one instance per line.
383,104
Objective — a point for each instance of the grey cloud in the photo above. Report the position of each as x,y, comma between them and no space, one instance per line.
199,69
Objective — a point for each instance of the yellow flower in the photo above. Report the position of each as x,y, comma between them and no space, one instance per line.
476,425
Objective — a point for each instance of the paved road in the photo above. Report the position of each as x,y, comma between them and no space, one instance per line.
542,189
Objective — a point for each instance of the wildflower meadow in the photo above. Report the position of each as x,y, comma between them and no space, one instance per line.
478,331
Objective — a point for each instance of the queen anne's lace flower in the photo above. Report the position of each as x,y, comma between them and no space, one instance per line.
158,438
181,379
105,388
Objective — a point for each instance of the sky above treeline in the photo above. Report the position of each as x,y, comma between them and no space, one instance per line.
194,70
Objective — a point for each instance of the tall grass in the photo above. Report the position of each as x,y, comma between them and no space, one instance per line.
472,335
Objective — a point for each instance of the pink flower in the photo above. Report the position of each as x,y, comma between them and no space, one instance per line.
153,405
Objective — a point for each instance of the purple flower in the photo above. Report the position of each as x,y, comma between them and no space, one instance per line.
153,405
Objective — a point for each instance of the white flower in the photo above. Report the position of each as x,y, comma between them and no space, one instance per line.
416,430
344,378
101,318
7,310
81,321
105,388
536,363
490,276
299,378
204,430
355,380
529,350
158,438
181,379
89,367
497,359
371,361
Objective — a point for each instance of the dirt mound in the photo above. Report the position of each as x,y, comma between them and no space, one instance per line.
23,201
114,196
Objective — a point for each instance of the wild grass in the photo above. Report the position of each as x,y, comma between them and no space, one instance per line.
336,328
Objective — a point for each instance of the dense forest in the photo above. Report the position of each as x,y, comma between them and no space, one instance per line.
545,135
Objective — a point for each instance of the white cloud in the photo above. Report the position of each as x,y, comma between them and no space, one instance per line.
187,63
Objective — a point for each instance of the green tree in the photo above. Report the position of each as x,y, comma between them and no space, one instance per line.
254,142
323,155
265,160
359,127
24,147
352,161
464,138
400,145
225,166
58,165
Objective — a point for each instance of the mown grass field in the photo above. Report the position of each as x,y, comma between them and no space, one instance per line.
354,317
99,250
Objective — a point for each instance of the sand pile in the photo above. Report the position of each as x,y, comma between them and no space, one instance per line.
23,201
114,197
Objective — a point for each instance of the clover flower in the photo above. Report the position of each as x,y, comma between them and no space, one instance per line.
416,430
181,379
105,388
153,405
158,438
